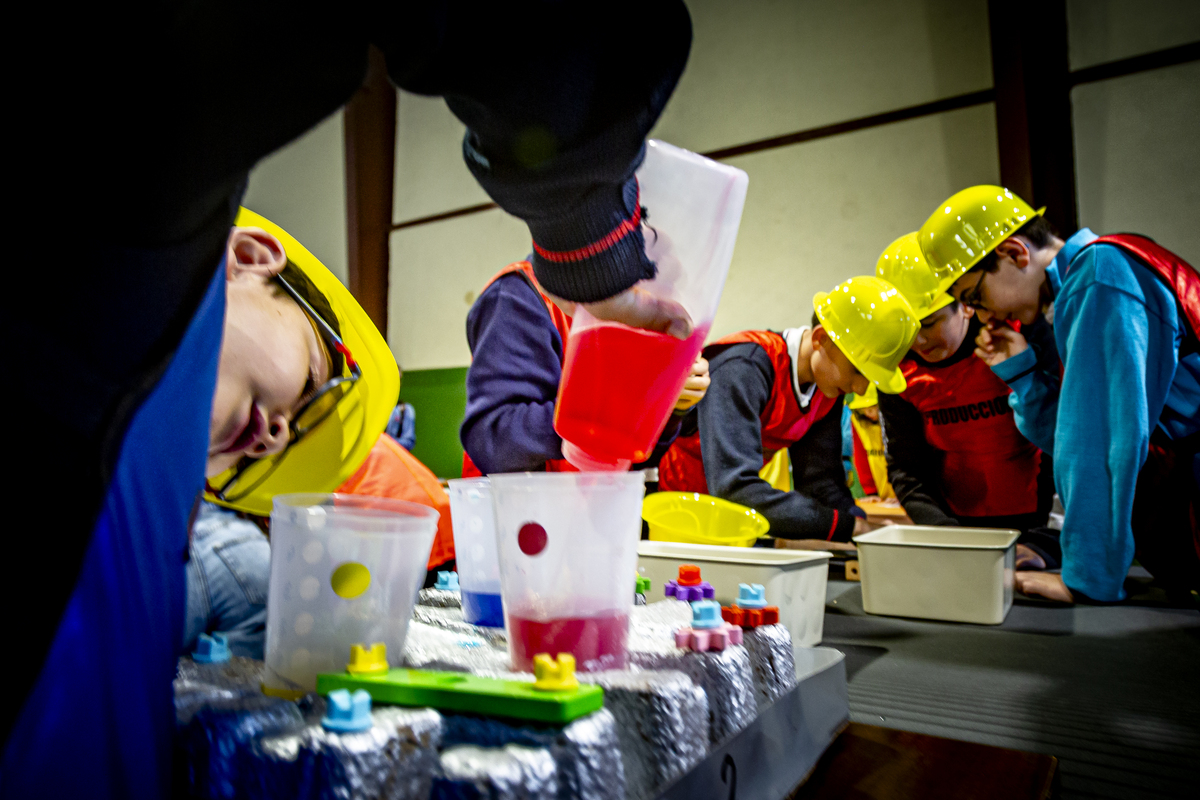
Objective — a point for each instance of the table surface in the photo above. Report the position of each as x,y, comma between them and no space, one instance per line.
867,761
1111,691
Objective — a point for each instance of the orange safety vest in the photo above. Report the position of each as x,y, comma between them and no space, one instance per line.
783,421
987,468
391,471
562,324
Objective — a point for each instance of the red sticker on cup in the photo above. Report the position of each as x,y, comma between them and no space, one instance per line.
531,538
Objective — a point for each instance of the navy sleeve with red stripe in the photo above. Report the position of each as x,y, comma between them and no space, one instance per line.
557,121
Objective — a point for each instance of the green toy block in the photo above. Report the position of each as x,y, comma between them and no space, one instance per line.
643,585
456,691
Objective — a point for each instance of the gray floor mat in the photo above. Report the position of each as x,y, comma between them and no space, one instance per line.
1111,691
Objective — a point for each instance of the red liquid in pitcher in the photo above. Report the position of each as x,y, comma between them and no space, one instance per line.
598,643
619,386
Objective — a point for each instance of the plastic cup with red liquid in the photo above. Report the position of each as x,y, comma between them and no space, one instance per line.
619,383
568,561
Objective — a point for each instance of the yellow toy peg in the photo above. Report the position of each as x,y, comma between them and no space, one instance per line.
368,662
554,676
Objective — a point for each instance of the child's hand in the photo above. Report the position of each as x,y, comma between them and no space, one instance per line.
1027,558
636,308
997,342
1046,584
695,386
863,526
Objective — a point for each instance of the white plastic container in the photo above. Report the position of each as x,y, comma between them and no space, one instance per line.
952,574
345,569
475,550
794,579
619,384
568,563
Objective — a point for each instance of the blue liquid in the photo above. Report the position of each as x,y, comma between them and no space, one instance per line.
483,609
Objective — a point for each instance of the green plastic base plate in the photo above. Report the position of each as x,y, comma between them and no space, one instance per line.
456,691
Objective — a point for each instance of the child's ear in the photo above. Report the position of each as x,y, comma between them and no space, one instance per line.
819,337
1015,250
253,252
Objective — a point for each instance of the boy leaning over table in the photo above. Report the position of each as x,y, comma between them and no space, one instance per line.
1124,423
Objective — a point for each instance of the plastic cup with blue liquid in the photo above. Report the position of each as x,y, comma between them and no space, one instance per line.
475,551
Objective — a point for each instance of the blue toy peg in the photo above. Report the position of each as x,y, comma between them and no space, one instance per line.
751,595
211,649
347,713
447,580
706,614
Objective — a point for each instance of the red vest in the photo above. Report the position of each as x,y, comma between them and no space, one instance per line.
562,324
783,421
1179,276
988,468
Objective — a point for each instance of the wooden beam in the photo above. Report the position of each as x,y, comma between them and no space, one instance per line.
370,144
1033,105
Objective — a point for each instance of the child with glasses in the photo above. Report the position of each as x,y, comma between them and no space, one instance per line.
300,364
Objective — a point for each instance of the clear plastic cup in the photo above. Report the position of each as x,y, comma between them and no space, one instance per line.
345,569
619,383
475,551
568,562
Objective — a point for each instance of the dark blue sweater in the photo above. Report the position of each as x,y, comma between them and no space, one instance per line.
516,365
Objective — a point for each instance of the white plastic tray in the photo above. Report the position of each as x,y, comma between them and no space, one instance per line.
794,579
952,574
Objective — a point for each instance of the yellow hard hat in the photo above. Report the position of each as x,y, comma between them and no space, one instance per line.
872,324
967,227
865,400
335,449
902,265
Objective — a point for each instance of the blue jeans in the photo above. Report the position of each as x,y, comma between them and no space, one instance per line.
227,572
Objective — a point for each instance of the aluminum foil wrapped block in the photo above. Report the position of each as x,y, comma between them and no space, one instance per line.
586,752
395,759
512,772
724,676
772,662
451,619
236,673
661,723
219,736
429,647
198,685
439,598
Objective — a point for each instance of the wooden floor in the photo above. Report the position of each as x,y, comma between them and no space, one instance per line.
867,761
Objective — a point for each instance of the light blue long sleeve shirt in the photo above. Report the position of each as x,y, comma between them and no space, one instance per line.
1118,330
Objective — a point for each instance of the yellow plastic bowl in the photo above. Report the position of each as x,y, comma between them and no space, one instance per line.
694,518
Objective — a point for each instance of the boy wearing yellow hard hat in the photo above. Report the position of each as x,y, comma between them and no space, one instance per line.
305,387
770,391
955,455
1124,424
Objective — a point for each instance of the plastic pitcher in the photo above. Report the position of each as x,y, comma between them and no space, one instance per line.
619,383
475,551
345,569
568,561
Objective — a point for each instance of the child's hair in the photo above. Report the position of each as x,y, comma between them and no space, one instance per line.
815,320
1038,231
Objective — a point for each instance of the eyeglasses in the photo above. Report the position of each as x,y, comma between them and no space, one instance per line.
973,297
309,415
325,400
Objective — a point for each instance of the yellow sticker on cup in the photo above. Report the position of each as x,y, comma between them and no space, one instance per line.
350,580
